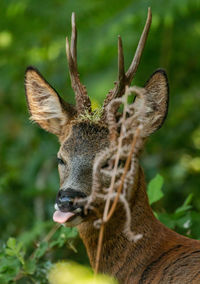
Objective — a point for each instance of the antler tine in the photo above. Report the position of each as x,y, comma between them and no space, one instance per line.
74,39
120,85
136,60
82,100
124,79
121,71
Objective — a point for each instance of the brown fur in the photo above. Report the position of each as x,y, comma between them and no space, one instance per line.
161,256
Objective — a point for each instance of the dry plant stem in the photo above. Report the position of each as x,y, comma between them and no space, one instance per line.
99,247
48,236
111,117
110,213
127,164
107,205
51,233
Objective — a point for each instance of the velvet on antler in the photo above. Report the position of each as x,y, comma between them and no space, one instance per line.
82,100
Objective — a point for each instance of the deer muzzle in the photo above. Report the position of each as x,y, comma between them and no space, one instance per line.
66,206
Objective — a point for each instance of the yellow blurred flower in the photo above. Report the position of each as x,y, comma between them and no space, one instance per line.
73,273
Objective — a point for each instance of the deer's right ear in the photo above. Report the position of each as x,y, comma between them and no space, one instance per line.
151,104
46,107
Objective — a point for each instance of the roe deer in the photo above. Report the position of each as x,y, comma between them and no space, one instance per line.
159,255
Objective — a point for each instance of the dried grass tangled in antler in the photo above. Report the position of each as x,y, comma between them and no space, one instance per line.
126,136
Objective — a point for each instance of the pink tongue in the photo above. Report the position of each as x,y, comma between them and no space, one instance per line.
62,217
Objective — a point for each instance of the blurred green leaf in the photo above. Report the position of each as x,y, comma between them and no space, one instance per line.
30,266
64,235
41,250
185,207
11,243
154,189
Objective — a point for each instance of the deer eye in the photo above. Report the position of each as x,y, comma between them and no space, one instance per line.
60,161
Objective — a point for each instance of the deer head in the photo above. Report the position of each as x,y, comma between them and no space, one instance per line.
81,137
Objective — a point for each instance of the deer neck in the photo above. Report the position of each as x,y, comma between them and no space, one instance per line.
117,249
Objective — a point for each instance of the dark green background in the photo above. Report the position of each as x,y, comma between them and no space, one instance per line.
33,33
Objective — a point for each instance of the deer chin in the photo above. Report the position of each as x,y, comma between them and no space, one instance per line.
73,222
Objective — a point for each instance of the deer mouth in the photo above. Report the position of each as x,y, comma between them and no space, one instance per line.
72,218
62,217
68,211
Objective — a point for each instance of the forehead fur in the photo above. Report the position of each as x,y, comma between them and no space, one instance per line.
86,137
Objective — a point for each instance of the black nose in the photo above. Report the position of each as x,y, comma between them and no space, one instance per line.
65,199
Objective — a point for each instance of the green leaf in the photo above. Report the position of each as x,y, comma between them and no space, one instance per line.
18,247
10,252
11,243
167,220
182,209
9,268
185,207
188,199
154,189
30,266
15,249
41,250
70,232
64,235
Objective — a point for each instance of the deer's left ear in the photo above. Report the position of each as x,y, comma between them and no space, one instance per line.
47,108
154,104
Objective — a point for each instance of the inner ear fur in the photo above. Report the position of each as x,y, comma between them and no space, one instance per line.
156,99
46,107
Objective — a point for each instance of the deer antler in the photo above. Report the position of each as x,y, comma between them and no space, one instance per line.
125,79
82,100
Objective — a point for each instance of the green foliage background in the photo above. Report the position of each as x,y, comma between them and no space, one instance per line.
33,33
